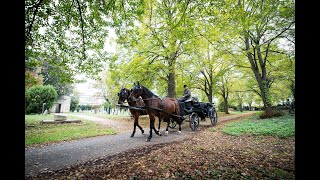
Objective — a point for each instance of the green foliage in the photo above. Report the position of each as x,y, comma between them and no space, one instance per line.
37,95
32,79
70,34
106,105
47,133
59,76
74,103
195,42
282,127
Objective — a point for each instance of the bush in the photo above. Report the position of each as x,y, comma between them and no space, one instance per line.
37,95
274,113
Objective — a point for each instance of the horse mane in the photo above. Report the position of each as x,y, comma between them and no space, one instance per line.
148,92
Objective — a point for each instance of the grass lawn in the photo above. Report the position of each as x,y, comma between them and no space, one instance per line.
282,127
36,133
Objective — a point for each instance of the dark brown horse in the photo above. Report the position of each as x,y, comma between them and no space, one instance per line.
169,107
123,96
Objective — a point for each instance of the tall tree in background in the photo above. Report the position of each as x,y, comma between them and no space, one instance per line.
159,39
225,86
262,25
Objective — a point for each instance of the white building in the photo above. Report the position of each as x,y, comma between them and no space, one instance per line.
61,105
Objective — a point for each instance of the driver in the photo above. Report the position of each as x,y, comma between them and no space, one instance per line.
186,93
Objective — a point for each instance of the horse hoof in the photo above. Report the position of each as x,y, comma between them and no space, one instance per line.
131,135
148,139
142,131
160,134
179,132
167,132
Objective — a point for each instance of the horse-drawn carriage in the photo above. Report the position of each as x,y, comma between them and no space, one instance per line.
170,110
199,111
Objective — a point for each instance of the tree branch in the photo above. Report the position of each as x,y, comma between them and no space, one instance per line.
29,29
70,13
243,66
255,91
82,30
275,37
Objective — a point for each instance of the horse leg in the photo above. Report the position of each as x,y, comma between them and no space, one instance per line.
134,125
151,127
159,126
168,123
157,132
142,131
180,122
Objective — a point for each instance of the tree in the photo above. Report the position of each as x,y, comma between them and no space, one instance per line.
262,24
73,31
225,86
32,79
158,40
256,30
74,103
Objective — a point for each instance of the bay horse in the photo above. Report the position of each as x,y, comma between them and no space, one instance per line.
167,106
123,96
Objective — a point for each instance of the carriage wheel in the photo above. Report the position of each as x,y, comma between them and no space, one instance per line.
172,123
214,118
194,121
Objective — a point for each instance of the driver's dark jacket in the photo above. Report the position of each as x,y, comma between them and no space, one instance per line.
187,93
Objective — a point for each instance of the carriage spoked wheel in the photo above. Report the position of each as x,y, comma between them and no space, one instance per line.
214,118
194,121
172,123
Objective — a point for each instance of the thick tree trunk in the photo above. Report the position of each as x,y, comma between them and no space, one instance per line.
171,76
171,85
226,108
261,78
240,107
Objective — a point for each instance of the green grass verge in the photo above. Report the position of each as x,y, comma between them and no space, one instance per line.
46,133
282,127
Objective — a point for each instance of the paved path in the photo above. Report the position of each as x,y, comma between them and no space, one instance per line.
64,154
108,122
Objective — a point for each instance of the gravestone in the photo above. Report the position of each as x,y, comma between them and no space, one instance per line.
45,112
59,117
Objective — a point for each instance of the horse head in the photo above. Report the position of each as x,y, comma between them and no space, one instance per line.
123,95
136,91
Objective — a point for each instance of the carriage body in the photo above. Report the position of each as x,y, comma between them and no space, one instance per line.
199,111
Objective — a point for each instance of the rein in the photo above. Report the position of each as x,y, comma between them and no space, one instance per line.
136,99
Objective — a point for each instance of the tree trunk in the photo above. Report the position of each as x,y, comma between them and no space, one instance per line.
261,78
210,95
171,76
226,108
171,85
250,106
